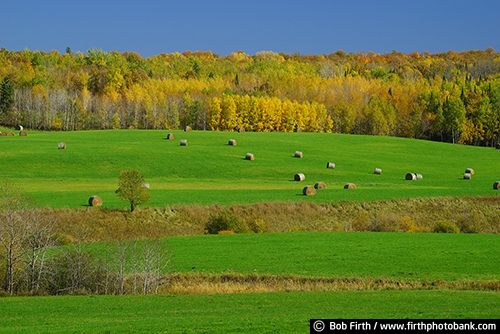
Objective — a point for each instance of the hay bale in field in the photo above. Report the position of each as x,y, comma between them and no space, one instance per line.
330,165
411,176
3,133
298,154
23,133
467,176
11,134
299,177
377,171
309,191
232,142
170,136
249,156
320,185
496,185
183,142
187,128
145,185
61,145
95,201
469,170
419,176
349,186
241,130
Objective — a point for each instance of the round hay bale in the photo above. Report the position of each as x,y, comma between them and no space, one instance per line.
241,130
61,145
470,171
298,154
232,142
418,176
496,185
187,128
249,156
184,142
309,191
170,136
377,171
10,134
320,185
95,201
467,176
349,186
330,165
145,185
23,133
3,133
411,176
299,177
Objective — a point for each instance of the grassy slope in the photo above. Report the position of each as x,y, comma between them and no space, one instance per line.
209,171
287,312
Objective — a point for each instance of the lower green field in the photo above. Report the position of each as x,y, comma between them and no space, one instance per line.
286,312
402,256
209,171
383,275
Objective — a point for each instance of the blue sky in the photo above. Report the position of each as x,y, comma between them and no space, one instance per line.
152,27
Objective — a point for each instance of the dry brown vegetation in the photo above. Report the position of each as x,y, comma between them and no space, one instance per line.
201,283
445,214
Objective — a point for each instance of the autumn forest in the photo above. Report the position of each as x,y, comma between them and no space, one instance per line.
452,96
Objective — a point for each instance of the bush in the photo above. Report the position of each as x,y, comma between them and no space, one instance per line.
445,227
259,226
225,220
407,224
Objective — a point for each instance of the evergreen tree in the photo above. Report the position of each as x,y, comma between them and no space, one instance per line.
6,95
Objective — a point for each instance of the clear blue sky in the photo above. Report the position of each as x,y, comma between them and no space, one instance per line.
151,27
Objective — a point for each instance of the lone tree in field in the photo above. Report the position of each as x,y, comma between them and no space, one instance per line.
130,188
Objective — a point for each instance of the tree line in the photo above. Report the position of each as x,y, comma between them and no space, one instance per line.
453,97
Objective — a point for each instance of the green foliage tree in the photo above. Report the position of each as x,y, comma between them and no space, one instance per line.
6,95
131,188
454,116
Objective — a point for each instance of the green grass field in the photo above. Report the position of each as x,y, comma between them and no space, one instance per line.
403,256
286,312
384,255
209,171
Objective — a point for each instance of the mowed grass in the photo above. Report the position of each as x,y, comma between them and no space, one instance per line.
401,256
209,171
287,312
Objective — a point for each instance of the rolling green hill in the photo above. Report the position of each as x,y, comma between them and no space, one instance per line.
209,171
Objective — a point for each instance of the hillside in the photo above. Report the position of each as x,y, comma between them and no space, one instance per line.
209,171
